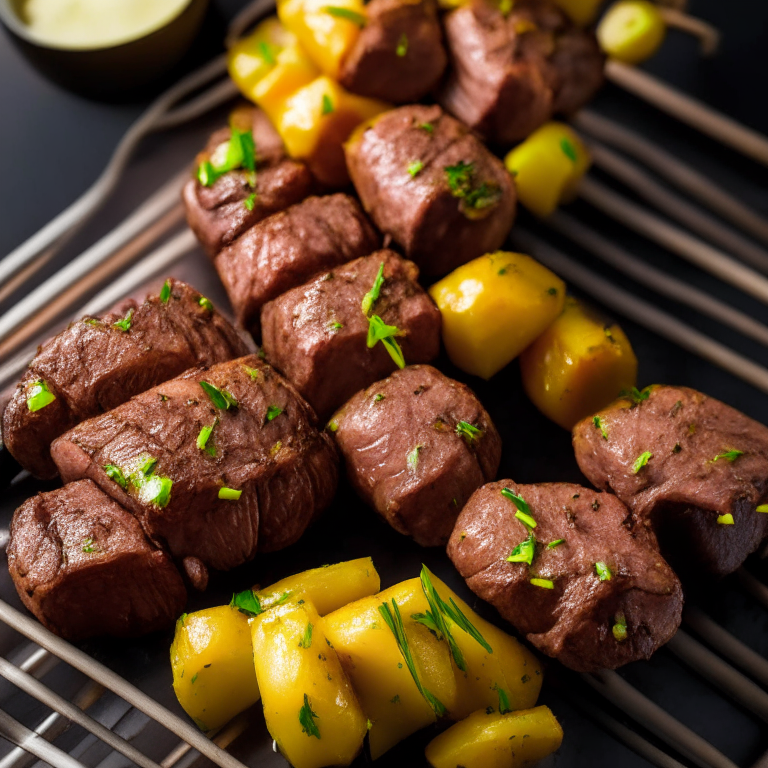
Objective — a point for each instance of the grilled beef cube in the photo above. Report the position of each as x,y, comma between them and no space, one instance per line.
215,473
691,465
417,445
288,248
316,334
82,565
601,594
430,184
511,74
399,55
221,212
98,363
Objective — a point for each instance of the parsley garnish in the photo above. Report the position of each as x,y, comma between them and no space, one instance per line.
88,546
238,152
229,494
205,303
273,412
372,296
165,292
307,719
306,641
468,431
504,705
603,571
461,182
415,168
250,202
219,397
413,458
636,395
543,583
569,150
38,395
599,424
266,53
115,473
203,436
247,603
379,397
346,13
402,45
730,455
378,330
125,323
524,552
619,629
427,127
327,108
156,489
518,501
336,326
555,543
641,461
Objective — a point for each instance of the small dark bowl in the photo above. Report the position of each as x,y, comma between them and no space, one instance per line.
111,72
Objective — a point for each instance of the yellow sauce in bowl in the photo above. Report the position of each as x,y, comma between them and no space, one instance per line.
88,24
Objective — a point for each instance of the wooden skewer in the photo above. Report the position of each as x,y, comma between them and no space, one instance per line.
677,240
689,110
666,165
709,36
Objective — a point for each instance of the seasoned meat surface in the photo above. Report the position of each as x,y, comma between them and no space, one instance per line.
431,184
684,462
82,565
176,457
574,620
316,333
221,212
399,55
95,365
511,74
288,248
416,446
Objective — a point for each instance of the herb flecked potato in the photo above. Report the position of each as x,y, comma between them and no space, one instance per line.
311,710
493,740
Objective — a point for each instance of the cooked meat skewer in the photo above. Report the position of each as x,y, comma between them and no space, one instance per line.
98,363
560,563
316,334
82,565
216,464
692,467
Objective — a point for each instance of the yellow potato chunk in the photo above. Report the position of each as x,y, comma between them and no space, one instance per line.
548,167
632,31
327,29
309,705
316,120
370,653
494,307
578,365
212,662
492,740
581,12
327,588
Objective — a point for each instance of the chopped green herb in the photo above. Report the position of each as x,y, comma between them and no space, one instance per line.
147,466
194,678
238,152
125,323
247,603
555,543
379,397
526,520
266,52
402,46
254,373
336,326
427,619
327,108
378,330
676,408
552,291
543,583
762,508
229,494
332,425
205,303
203,437
427,127
346,13
38,395
165,292
415,168
598,422
636,395
504,705
307,719
183,618
413,458
156,490
518,501
306,641
569,150
619,629
468,431
726,519
88,546
219,397
462,184
641,461
395,699
372,296
250,202
273,412
207,174
731,455
435,618
92,321
603,571
524,552
115,473
677,448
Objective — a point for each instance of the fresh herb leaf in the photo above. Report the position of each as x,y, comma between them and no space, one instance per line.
524,552
207,174
332,425
147,466
599,424
219,397
428,620
379,397
306,641
250,202
543,583
327,108
402,46
115,473
504,705
730,455
555,543
635,395
569,150
603,571
203,436
468,431
247,603
438,617
415,168
273,412
346,13
726,519
205,303
229,494
165,292
88,546
641,461
378,330
372,296
413,458
156,489
462,184
307,719
38,395
426,127
125,323
518,501
266,52
619,629
336,326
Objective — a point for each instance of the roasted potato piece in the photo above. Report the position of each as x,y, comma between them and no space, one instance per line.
631,31
309,705
371,656
578,365
548,167
494,307
327,588
493,740
582,12
212,662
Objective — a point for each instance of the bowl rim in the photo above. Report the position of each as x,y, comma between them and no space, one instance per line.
9,17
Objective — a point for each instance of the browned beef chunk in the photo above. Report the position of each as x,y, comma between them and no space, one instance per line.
82,565
399,55
509,75
288,248
221,212
430,184
316,334
94,365
684,462
605,574
175,457
417,445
